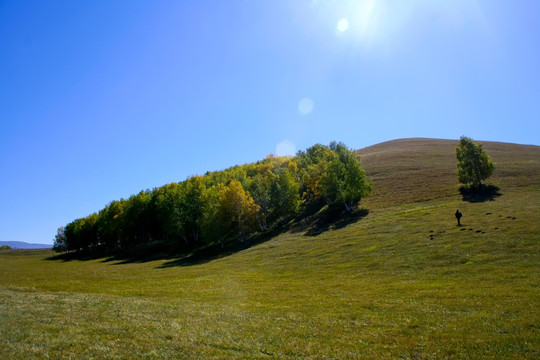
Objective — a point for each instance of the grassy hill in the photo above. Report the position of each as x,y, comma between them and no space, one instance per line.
414,170
24,245
401,281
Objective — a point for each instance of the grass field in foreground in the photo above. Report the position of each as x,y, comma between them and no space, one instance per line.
402,282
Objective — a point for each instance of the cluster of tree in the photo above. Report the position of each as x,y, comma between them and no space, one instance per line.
222,205
473,163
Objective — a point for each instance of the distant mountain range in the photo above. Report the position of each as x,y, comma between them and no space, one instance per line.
24,245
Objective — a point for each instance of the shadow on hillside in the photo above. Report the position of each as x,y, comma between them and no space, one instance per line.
329,219
174,256
213,252
71,256
314,220
484,193
122,259
142,253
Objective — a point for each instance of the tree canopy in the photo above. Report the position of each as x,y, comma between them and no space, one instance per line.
473,163
224,205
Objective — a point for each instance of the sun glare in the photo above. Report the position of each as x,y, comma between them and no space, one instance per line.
343,25
363,17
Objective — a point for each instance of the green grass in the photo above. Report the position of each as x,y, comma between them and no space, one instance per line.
402,282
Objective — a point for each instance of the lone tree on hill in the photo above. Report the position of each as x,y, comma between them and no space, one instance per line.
473,164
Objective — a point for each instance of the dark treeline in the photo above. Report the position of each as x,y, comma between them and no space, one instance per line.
220,206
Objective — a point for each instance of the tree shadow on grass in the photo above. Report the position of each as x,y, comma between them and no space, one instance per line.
130,258
478,195
218,250
153,251
312,220
331,219
72,256
121,258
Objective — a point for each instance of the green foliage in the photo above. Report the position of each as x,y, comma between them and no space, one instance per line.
275,189
345,294
211,227
5,247
168,202
285,199
237,211
82,234
60,244
473,163
110,223
334,174
313,165
138,219
228,204
191,210
404,282
259,188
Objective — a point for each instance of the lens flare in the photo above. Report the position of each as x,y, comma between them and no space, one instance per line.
305,106
285,148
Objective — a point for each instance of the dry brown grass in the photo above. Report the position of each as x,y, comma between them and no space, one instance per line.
402,282
402,173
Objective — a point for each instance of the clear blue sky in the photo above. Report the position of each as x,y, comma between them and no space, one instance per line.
101,99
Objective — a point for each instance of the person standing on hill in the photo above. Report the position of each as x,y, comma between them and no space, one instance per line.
458,215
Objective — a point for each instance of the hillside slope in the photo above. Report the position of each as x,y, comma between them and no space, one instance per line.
413,170
403,281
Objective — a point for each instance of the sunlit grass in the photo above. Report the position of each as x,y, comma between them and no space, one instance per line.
402,282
